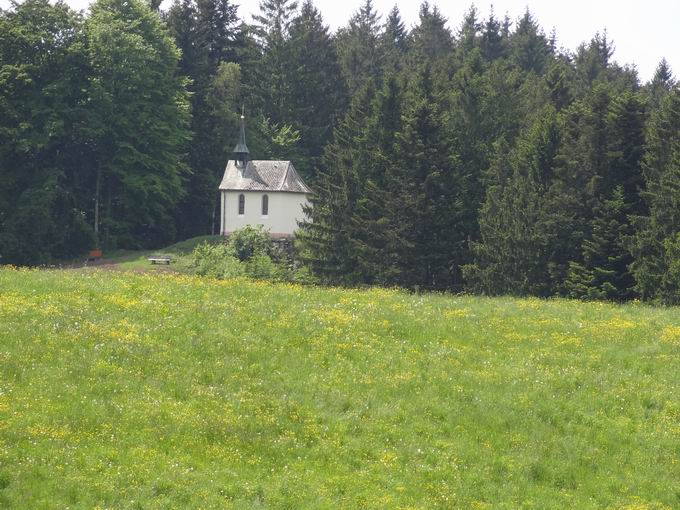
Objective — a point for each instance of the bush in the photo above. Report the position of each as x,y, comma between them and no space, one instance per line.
262,267
303,275
249,242
216,261
249,252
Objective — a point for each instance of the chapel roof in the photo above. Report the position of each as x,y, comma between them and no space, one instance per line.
261,175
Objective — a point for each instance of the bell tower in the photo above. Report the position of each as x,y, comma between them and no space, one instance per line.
241,152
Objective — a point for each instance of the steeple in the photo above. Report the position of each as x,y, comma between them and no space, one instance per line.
241,152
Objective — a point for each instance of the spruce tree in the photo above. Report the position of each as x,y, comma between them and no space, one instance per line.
492,43
431,40
603,272
662,83
272,29
317,96
394,42
273,21
326,238
467,38
208,35
435,189
529,47
582,170
359,48
518,229
655,243
626,141
378,230
559,81
218,23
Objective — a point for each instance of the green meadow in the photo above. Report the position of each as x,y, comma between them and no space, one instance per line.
160,391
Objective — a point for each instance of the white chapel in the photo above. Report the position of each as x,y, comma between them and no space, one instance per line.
268,193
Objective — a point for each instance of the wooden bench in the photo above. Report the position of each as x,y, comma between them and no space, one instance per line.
159,259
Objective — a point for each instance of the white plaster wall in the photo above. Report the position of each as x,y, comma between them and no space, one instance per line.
285,210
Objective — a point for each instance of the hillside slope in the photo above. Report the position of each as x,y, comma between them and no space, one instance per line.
122,390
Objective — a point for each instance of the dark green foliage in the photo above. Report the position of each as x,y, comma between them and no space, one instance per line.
43,128
207,34
144,115
394,42
655,245
431,40
317,95
494,43
249,241
468,34
487,160
359,48
529,47
435,188
518,230
603,272
662,83
272,31
274,20
626,143
593,59
327,239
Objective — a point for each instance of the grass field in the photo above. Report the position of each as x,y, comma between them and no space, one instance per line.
137,259
121,390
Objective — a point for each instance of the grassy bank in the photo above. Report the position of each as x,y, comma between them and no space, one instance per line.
121,390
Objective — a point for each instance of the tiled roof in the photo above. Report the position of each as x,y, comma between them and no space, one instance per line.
263,176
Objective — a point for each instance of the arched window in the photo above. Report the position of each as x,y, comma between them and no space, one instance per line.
241,204
265,205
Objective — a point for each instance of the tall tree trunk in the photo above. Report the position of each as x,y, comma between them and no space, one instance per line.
97,193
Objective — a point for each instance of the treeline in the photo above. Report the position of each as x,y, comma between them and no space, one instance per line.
490,160
483,158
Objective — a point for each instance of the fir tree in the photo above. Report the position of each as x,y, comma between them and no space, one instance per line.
430,38
359,48
492,42
529,47
662,83
317,95
655,243
435,189
603,272
394,43
518,229
326,240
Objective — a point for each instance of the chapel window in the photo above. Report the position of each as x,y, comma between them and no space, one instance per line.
241,204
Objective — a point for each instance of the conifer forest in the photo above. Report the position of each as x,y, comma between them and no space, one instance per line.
462,155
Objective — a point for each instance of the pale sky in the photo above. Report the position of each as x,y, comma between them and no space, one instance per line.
643,31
